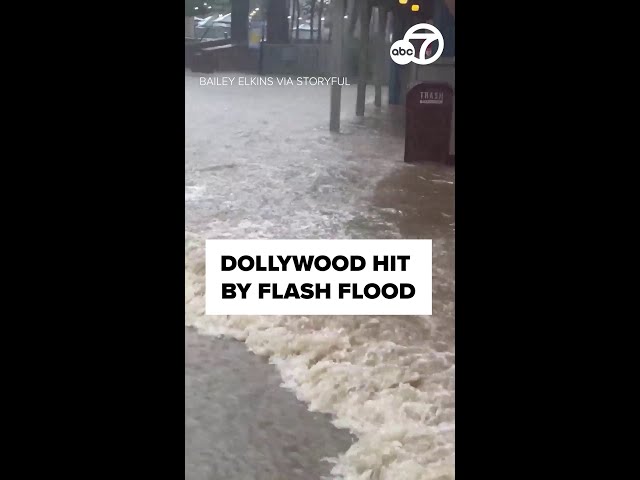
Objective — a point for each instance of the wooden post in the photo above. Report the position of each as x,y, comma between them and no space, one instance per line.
365,20
395,75
240,21
277,26
382,53
298,13
337,51
412,75
189,27
320,11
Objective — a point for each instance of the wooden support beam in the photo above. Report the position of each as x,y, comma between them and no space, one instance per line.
382,53
240,21
365,20
337,52
189,27
396,91
277,24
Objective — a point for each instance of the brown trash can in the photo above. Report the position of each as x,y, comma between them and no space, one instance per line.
429,108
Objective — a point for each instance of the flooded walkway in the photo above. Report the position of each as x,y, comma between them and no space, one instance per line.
239,423
261,163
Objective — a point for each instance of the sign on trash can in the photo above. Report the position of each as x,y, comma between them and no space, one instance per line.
429,109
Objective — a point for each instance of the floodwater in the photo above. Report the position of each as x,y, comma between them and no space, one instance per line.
239,423
260,162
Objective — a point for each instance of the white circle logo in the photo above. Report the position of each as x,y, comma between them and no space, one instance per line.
403,52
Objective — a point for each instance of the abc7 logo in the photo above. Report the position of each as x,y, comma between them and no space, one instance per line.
402,51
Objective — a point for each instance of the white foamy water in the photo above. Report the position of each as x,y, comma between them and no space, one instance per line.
263,165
